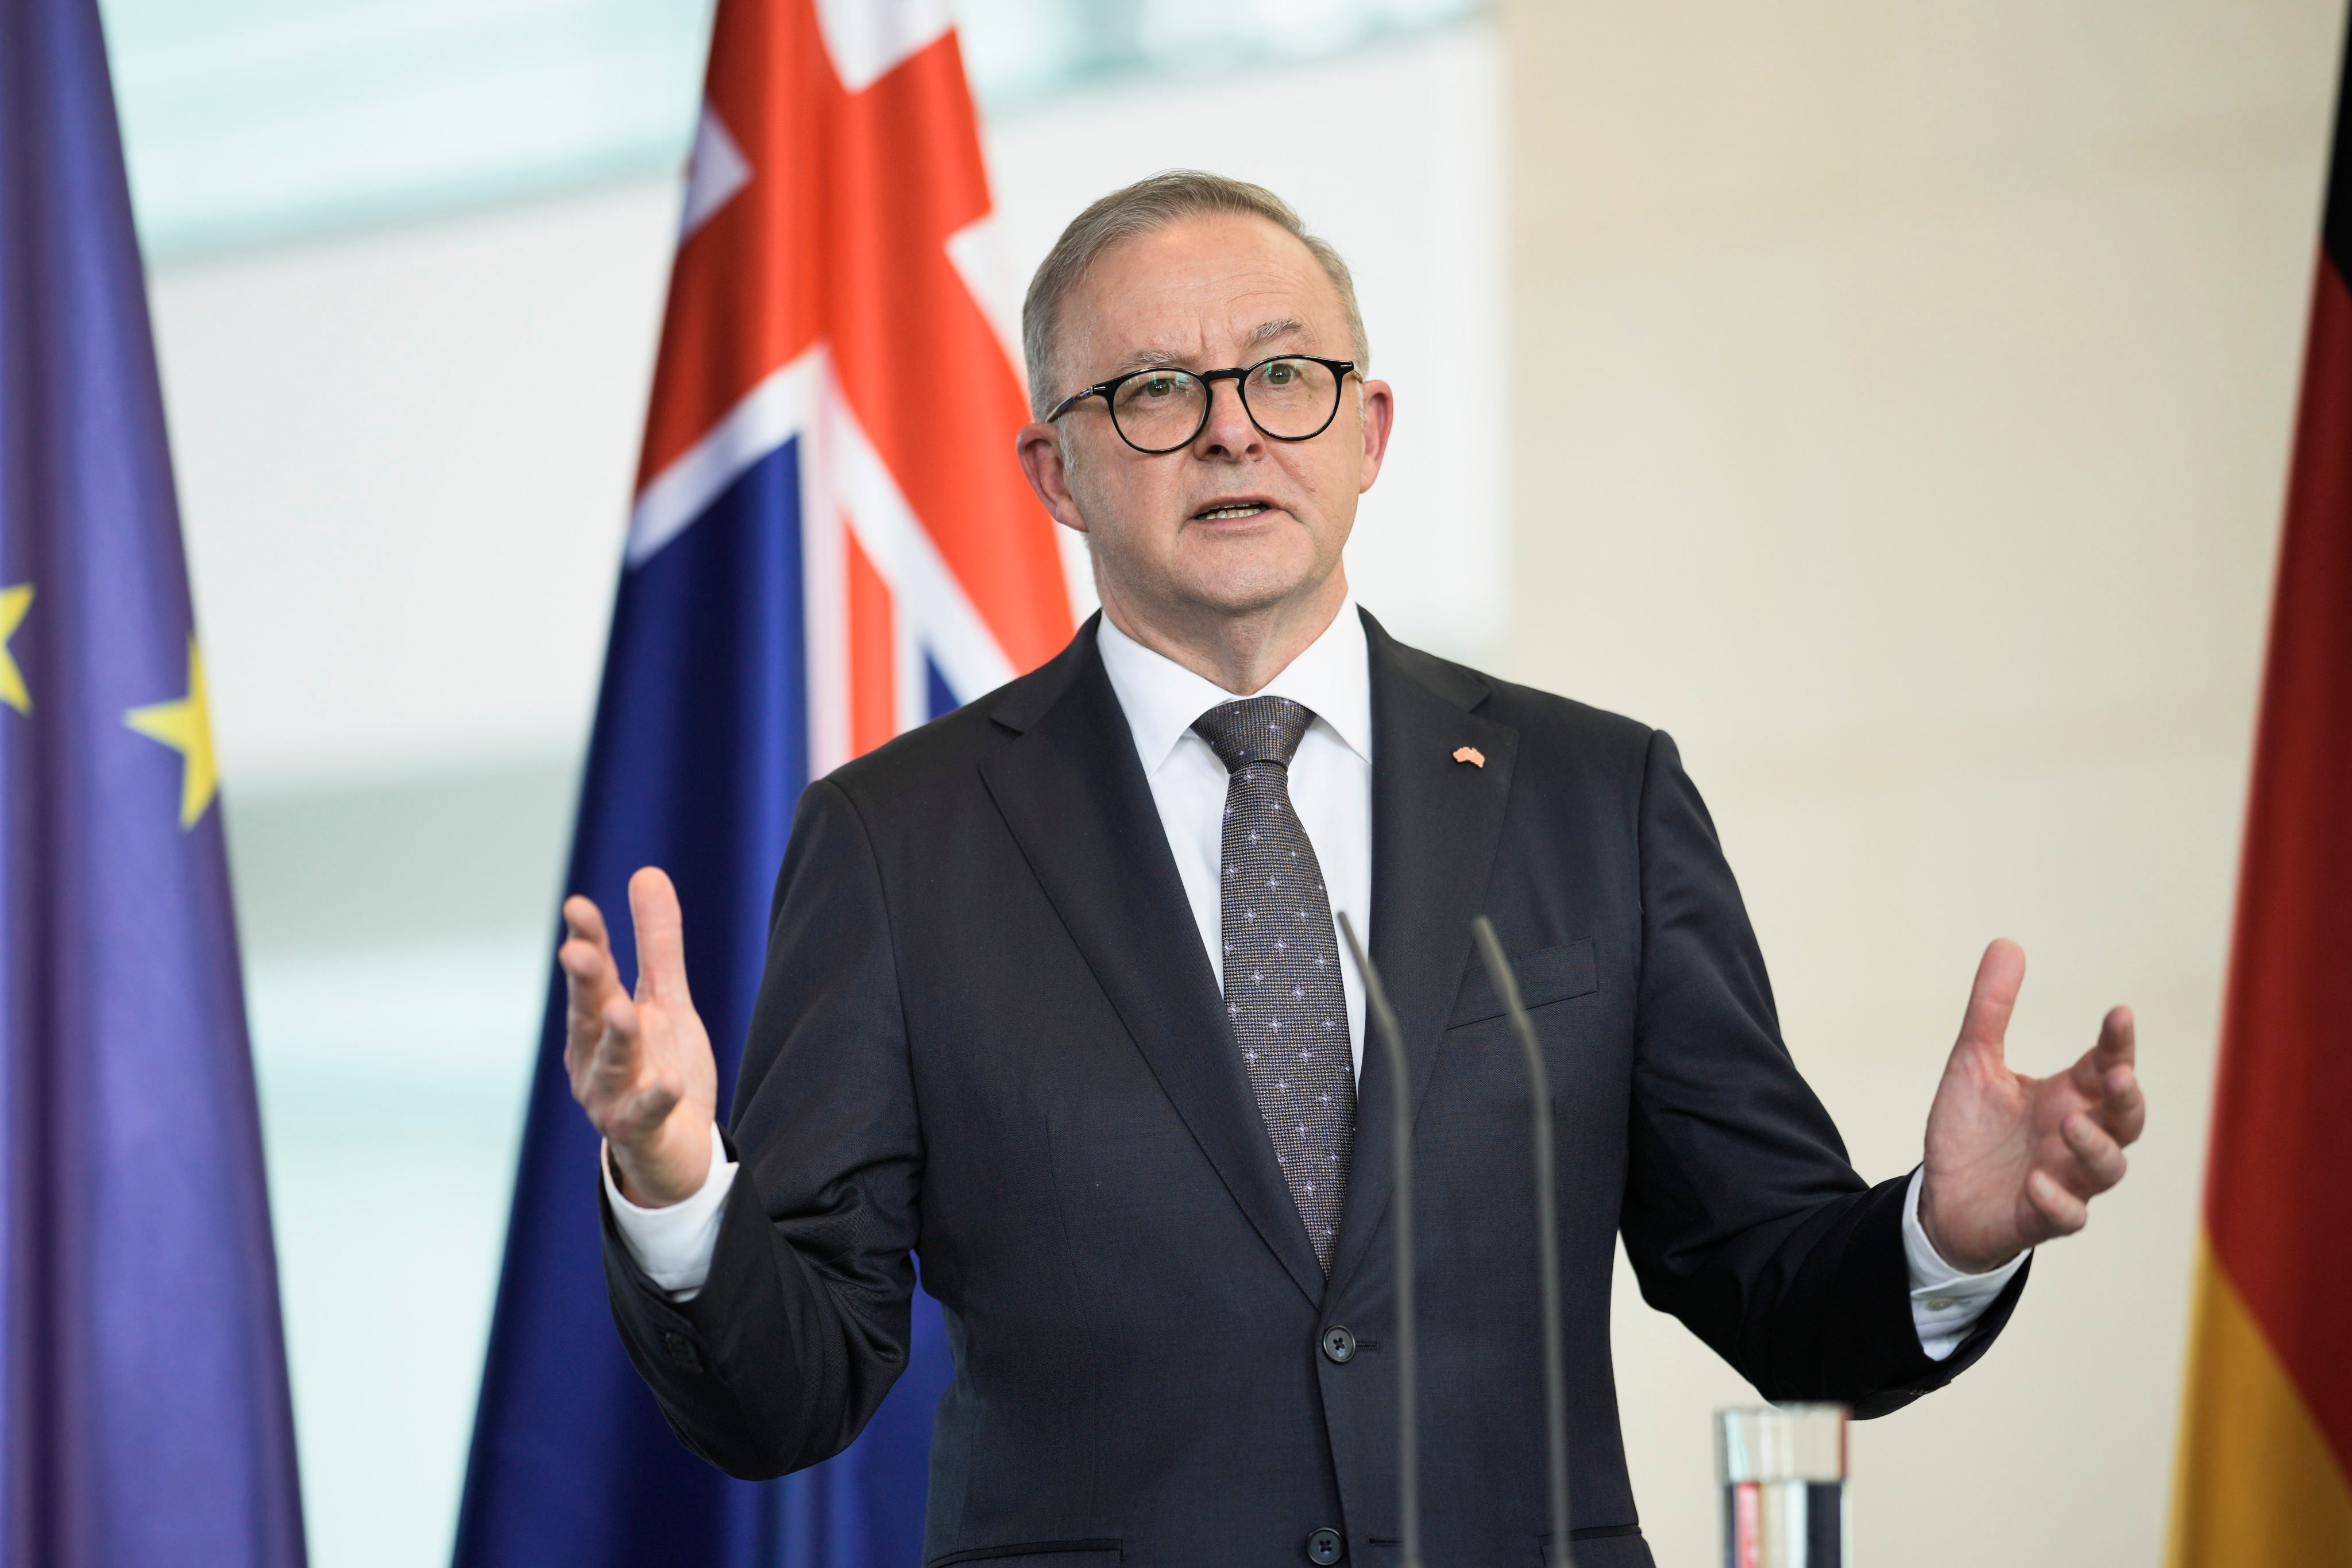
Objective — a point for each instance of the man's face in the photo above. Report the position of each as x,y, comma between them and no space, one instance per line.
1235,522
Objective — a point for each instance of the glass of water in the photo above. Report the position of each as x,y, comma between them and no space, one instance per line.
1782,1472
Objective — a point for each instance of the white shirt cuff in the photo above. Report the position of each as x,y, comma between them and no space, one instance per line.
674,1245
1945,1303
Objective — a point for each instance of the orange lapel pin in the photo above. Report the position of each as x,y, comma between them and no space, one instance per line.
1470,754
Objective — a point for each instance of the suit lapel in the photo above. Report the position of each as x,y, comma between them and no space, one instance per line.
1435,823
1074,794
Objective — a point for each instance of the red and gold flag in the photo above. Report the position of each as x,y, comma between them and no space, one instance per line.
2265,1455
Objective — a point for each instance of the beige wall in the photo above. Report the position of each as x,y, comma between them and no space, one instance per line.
1903,404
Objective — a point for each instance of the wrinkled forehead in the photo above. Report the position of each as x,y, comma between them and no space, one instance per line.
1203,291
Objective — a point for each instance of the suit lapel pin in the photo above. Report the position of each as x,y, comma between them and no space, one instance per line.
1471,754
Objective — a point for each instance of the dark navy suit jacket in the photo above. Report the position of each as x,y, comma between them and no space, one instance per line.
988,1033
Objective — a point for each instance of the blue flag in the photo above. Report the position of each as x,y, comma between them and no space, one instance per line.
819,557
143,1408
698,755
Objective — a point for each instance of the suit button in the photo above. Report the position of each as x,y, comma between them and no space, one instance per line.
1339,1349
1325,1546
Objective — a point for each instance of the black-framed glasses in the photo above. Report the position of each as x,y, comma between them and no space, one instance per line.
1290,397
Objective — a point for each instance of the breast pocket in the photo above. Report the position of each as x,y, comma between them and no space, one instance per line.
1554,974
1036,1554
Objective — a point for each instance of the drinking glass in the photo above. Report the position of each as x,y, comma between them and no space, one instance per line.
1783,1471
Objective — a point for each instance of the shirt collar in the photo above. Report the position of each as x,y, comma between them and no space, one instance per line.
1331,676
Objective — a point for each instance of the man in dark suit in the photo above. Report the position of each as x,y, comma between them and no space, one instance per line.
1053,998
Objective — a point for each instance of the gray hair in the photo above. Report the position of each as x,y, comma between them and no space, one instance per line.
1138,209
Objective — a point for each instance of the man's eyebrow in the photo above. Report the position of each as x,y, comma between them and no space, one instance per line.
1148,357
1270,330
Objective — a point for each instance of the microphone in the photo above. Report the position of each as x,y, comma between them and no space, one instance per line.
1384,1024
1506,986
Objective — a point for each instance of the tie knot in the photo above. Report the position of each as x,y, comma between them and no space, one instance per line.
1254,729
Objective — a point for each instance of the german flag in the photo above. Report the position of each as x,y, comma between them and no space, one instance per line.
2265,1455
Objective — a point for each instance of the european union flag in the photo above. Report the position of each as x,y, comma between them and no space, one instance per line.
143,1409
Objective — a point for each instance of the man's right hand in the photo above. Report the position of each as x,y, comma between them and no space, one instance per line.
641,1066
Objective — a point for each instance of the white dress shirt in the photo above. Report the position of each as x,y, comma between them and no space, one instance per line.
1332,789
1330,776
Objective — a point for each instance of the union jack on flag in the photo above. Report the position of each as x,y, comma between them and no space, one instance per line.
836,285
831,543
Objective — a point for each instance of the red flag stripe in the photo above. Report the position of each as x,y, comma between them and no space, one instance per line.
839,235
2278,1202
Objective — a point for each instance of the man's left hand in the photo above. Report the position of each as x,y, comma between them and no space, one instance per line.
2014,1161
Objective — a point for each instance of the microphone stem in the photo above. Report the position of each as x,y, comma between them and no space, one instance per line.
1384,1024
1506,986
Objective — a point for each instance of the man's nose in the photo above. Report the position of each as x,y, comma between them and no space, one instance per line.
1229,427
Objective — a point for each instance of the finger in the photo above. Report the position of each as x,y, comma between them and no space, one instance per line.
620,1043
661,939
590,979
591,973
586,921
2061,1210
2117,1046
585,956
2114,1089
1992,999
600,1053
2118,1038
2097,1156
2123,1109
583,960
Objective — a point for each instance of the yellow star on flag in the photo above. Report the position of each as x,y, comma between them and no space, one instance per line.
185,726
14,603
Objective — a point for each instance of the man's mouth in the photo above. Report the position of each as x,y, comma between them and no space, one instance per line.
1225,511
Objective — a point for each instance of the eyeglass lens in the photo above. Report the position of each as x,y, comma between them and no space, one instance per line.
1290,399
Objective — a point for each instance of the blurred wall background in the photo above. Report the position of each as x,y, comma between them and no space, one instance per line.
1902,399
1890,400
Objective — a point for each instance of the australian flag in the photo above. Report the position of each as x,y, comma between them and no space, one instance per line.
143,1411
831,543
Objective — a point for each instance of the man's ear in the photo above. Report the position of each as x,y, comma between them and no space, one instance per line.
1048,467
1376,413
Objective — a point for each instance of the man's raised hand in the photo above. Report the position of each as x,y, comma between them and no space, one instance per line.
641,1066
2014,1161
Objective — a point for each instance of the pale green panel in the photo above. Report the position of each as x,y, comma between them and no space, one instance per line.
252,119
1018,49
244,120
392,1081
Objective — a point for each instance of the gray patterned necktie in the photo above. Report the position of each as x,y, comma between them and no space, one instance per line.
1282,992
